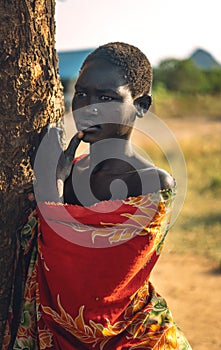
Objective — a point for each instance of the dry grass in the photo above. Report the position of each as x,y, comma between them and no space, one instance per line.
181,105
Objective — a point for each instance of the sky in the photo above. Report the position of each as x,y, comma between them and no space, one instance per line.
160,28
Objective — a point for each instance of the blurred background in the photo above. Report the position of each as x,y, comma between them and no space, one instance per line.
181,40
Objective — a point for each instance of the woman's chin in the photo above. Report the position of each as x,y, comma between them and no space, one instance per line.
90,138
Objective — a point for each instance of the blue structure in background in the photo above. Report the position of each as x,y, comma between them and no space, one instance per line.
70,63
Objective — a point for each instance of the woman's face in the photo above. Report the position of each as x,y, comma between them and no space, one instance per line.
103,106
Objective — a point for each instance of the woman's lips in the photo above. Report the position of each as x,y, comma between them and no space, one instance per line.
90,128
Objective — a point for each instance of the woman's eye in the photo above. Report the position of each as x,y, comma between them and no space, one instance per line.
80,94
106,98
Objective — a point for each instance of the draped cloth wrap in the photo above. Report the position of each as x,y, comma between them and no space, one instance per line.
87,285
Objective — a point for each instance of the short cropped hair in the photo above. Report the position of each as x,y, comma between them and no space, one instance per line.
135,65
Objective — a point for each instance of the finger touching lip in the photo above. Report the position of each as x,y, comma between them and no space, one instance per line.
80,134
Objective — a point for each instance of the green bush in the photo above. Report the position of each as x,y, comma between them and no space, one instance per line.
185,77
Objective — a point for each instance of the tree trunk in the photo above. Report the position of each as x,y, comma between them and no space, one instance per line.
31,97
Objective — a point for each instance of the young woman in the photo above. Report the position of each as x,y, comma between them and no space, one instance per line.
88,287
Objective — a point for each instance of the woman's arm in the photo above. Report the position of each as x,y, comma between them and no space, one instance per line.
53,165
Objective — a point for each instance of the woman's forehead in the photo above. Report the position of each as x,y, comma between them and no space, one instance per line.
102,73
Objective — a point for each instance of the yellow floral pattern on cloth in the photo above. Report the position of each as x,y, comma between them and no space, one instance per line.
151,218
138,222
151,324
29,335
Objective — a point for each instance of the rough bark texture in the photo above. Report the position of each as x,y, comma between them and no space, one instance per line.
30,98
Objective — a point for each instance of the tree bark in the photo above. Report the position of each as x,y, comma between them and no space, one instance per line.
31,97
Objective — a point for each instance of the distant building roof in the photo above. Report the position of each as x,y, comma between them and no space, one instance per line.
203,59
70,62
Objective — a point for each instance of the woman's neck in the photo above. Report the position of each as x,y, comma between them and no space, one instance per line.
107,149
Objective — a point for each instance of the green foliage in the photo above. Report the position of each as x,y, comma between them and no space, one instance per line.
214,80
185,77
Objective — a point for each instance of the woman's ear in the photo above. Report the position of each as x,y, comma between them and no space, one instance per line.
142,104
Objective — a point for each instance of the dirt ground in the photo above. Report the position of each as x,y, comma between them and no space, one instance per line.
192,287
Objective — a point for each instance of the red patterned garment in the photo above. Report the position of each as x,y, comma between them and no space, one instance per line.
89,287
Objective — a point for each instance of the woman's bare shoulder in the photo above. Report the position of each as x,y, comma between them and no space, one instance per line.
155,179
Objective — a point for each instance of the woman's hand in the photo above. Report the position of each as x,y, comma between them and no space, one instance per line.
66,161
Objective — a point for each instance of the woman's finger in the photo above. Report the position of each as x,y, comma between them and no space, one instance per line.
73,145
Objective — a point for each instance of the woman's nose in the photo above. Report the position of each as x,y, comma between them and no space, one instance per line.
92,110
